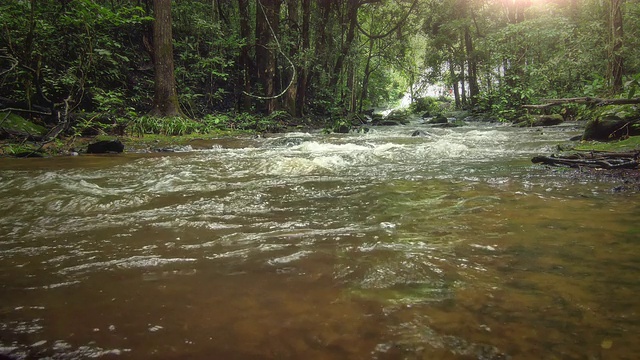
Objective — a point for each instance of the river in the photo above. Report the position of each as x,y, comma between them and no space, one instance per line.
311,246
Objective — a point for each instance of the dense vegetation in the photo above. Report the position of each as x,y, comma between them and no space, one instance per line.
99,65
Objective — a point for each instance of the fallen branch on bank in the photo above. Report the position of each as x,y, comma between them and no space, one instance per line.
594,159
582,100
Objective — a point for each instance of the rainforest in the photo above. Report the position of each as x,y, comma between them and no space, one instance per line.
297,179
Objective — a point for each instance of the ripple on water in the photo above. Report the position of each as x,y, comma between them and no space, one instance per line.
462,265
128,263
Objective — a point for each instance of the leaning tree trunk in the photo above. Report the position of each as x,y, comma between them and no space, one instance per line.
165,101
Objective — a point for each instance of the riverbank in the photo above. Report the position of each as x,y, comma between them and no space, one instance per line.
616,179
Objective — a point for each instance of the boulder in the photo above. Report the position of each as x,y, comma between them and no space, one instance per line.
539,120
611,128
420,133
449,125
341,128
361,130
438,119
105,147
398,116
387,122
176,148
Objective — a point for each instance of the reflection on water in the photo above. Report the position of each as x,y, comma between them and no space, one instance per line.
377,246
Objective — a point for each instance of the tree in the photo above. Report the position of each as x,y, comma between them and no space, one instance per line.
303,71
616,63
165,101
291,96
267,23
245,58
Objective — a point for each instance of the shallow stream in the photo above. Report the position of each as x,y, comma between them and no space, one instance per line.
310,246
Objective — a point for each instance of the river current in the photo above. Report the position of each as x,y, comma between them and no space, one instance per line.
310,246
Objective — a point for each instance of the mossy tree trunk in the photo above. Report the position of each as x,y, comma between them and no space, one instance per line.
165,101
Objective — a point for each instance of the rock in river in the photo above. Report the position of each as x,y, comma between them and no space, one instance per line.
105,146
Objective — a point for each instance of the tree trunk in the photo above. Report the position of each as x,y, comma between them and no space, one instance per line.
321,55
291,97
515,70
352,19
351,85
454,81
165,101
267,21
303,72
244,60
367,74
616,65
472,67
463,87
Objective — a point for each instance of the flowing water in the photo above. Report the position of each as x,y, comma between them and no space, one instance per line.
309,246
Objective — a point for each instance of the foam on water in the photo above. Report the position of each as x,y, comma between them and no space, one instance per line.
383,217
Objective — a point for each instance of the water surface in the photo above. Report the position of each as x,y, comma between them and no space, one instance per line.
308,246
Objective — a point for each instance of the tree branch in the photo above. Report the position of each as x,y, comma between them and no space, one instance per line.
582,100
398,24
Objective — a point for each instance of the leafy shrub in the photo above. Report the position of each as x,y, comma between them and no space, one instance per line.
166,126
425,105
506,103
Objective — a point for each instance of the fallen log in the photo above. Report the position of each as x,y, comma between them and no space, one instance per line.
11,133
582,100
594,159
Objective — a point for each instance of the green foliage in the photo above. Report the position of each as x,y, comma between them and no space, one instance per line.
205,55
596,86
632,85
259,123
16,122
90,57
17,149
506,103
628,144
337,125
178,126
170,126
212,122
68,52
425,105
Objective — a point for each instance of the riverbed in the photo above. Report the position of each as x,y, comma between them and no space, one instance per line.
313,246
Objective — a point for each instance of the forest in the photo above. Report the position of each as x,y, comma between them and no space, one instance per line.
88,67
319,179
